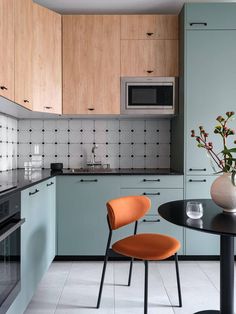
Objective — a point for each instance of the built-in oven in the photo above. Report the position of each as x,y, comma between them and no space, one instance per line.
149,95
10,249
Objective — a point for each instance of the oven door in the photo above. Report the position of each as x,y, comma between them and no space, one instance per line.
10,256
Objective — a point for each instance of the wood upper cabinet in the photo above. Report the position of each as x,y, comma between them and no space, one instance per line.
91,64
149,58
149,27
7,49
47,63
23,52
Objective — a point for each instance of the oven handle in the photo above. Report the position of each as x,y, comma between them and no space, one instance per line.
12,229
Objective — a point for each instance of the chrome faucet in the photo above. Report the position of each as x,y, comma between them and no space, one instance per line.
93,162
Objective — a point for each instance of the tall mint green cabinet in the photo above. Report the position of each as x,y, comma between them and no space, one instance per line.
37,239
207,89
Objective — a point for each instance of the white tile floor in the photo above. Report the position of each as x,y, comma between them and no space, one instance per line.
72,288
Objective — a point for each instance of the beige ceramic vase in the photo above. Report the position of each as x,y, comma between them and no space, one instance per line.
223,193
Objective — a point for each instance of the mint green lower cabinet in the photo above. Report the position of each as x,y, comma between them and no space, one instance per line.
200,243
81,213
37,240
153,222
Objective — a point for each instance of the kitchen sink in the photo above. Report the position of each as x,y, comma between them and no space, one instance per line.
91,170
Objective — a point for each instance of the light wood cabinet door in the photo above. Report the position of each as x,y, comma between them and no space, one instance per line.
149,58
7,49
23,52
149,27
47,63
91,64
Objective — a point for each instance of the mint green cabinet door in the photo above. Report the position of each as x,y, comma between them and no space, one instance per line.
81,213
50,205
210,91
210,16
200,243
37,240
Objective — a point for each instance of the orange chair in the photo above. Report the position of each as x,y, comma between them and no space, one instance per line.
146,246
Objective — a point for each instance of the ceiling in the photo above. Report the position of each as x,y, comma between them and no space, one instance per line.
118,6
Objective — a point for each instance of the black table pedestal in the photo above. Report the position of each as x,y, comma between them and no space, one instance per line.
226,275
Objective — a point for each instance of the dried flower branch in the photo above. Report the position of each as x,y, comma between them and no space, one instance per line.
224,159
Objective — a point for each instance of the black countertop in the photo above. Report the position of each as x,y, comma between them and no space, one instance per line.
22,181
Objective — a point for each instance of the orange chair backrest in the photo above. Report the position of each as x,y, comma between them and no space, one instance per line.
124,210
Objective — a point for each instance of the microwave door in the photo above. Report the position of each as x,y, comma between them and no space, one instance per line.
149,96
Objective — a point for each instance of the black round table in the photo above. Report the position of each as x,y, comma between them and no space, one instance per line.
215,221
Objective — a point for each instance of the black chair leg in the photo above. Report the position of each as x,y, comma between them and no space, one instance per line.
104,269
146,288
102,281
130,271
178,280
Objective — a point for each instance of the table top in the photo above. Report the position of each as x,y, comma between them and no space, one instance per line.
214,220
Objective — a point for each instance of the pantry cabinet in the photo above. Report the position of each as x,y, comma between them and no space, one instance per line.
210,90
7,49
91,64
149,58
149,27
23,10
47,68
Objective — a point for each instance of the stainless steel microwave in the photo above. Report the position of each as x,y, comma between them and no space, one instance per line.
149,95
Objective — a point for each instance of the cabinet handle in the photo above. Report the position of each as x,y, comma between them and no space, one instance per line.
158,193
32,193
49,184
25,101
196,169
91,109
47,107
3,87
150,71
149,34
151,180
191,180
151,220
198,23
95,180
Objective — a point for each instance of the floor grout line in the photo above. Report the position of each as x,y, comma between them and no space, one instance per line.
63,287
209,278
171,305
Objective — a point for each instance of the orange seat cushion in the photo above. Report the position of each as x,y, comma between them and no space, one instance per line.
147,246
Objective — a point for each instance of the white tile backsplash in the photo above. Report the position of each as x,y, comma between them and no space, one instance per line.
122,143
8,143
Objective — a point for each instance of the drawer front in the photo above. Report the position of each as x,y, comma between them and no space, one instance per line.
156,224
152,181
198,186
210,16
157,196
